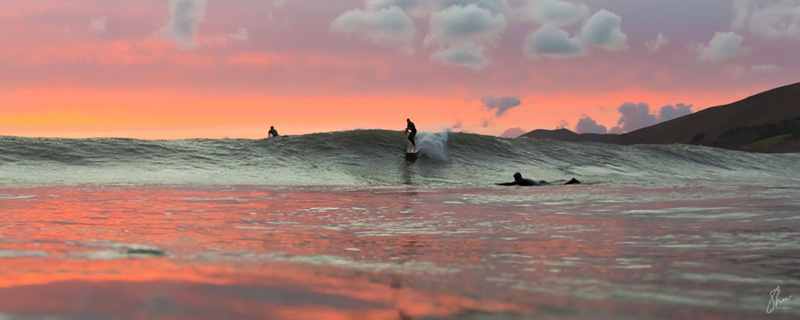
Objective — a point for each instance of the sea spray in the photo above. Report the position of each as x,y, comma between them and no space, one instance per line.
433,145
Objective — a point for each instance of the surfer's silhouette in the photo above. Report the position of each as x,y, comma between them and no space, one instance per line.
272,132
520,181
413,129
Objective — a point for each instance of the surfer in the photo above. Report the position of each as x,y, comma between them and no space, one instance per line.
411,127
520,181
272,132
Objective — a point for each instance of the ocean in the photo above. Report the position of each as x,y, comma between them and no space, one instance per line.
342,226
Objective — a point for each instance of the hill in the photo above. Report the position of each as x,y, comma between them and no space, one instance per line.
766,122
567,135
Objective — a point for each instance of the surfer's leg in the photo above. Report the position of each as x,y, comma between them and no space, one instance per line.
411,138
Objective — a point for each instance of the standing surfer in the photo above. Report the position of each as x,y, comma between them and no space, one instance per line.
411,127
272,132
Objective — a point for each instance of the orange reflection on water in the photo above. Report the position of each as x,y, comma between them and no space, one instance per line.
248,252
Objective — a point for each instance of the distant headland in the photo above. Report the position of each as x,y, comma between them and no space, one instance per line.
766,122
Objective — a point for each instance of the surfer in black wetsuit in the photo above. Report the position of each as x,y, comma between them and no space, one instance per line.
411,127
520,181
272,132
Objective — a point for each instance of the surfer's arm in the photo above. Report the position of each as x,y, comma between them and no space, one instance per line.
506,184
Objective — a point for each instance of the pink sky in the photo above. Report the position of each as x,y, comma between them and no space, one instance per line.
191,68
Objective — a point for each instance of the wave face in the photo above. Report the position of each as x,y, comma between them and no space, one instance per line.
377,158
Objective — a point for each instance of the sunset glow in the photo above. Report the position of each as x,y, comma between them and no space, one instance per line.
212,69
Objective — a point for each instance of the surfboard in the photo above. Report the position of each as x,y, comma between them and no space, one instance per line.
411,152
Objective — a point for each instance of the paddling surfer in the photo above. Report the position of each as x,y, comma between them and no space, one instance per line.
520,181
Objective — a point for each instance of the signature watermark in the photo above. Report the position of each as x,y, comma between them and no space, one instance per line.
775,300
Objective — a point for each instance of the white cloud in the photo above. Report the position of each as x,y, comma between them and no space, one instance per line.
492,5
461,31
185,15
563,124
469,56
765,68
656,45
724,45
603,29
501,105
391,24
99,24
772,19
375,5
555,12
588,125
240,35
465,24
550,41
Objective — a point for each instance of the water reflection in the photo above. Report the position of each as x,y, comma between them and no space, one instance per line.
257,252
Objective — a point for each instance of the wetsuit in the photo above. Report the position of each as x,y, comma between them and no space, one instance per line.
273,132
520,181
411,127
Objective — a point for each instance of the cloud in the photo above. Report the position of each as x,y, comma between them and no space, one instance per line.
487,122
768,19
723,46
492,5
99,24
670,112
185,15
656,45
603,29
376,5
513,133
462,55
460,30
588,125
555,12
280,3
465,24
563,124
240,35
391,24
500,104
635,116
550,41
765,68
741,12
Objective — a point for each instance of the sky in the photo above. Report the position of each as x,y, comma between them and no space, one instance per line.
173,69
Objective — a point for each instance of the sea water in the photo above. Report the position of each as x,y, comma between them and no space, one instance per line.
298,228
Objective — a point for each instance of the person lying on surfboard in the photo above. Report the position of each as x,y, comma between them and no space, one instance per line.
272,132
520,181
411,127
